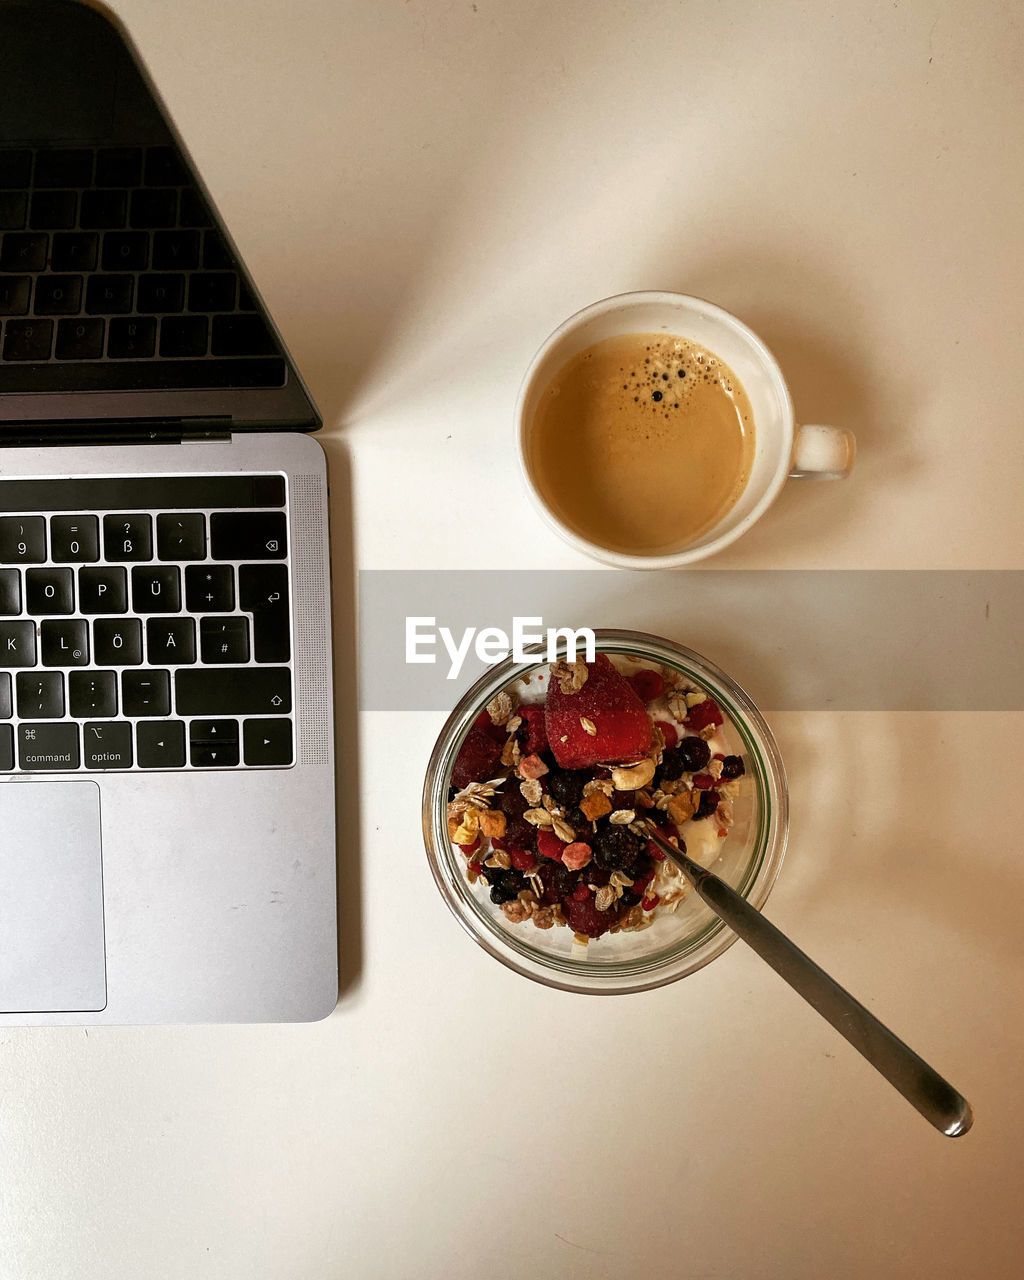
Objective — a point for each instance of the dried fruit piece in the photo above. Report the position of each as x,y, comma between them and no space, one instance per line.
606,700
478,759
595,806
493,823
576,855
648,684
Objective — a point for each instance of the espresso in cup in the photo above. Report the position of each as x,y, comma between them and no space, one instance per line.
642,442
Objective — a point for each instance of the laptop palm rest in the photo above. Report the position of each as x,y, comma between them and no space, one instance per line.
51,898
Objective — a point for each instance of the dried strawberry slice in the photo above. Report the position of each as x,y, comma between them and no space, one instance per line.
603,722
703,714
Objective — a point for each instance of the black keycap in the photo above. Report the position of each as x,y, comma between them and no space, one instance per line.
209,588
53,210
24,251
267,741
226,691
107,745
22,539
192,210
212,291
263,592
102,590
213,743
184,336
103,210
171,640
125,251
48,746
58,295
146,693
131,338
14,294
248,535
128,537
6,698
224,639
49,591
63,168
74,251
15,168
40,695
92,693
64,642
117,642
28,339
74,539
153,208
119,167
160,745
161,293
10,593
13,210
109,295
80,339
216,254
175,250
156,588
6,747
245,335
17,644
164,168
181,537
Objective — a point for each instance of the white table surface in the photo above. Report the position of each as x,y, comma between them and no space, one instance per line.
422,191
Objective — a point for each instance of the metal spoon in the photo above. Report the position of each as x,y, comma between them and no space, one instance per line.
922,1087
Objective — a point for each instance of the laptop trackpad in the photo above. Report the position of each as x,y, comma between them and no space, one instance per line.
51,898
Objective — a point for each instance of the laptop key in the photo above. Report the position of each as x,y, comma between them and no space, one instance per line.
14,294
118,642
10,591
48,746
161,293
103,210
74,539
125,251
153,208
263,592
209,588
160,744
15,168
267,741
102,590
49,591
192,210
128,537
131,338
24,251
119,167
216,254
13,210
17,644
171,640
156,588
175,250
74,251
40,695
239,691
107,745
184,336
241,335
181,537
80,339
22,539
248,535
64,642
213,743
53,210
164,168
224,640
92,693
28,339
63,168
109,295
6,747
212,291
58,295
6,702
146,693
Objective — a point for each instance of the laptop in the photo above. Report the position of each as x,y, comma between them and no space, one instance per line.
167,812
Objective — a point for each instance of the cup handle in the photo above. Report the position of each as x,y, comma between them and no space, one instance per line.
822,453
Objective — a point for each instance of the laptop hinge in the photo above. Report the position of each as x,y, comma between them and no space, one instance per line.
140,431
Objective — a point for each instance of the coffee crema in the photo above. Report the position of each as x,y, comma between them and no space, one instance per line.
642,443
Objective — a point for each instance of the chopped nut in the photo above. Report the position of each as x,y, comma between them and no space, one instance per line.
724,813
538,817
588,726
596,805
714,768
513,725
604,897
633,918
528,898
695,698
571,676
516,912
493,823
632,777
501,707
544,917
708,732
532,767
532,791
622,817
676,703
683,806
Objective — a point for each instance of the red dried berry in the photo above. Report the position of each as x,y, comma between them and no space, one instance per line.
703,714
703,781
533,738
549,845
648,684
477,868
479,759
522,859
484,723
579,894
650,903
668,732
584,917
471,848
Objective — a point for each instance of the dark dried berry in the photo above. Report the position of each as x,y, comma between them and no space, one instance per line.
511,800
671,768
616,848
507,887
708,804
694,754
629,898
732,767
594,875
566,786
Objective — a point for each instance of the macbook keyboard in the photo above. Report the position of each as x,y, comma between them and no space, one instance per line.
144,624
110,263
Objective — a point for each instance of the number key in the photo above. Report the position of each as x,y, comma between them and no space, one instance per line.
74,539
128,537
22,539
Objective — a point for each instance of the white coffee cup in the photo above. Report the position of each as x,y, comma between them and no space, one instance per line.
781,448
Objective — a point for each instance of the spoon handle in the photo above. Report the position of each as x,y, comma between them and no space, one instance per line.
922,1086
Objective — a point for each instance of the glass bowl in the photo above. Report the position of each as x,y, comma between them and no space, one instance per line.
675,944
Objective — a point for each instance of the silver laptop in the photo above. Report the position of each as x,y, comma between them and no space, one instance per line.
167,816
